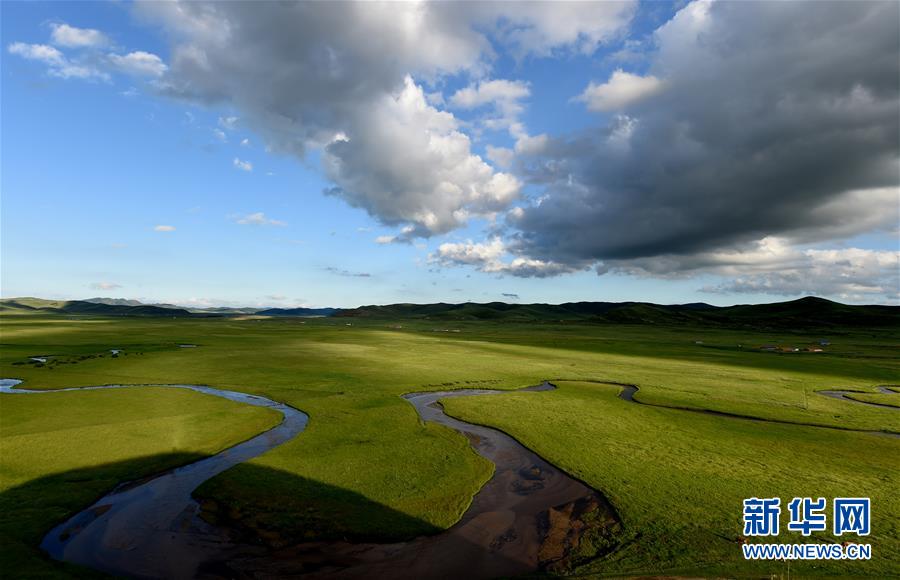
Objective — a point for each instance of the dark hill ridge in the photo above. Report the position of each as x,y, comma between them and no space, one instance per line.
88,308
116,301
802,313
812,311
125,307
297,312
809,312
195,310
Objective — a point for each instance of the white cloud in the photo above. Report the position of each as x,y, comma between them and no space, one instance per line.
242,165
489,257
90,64
515,213
486,255
138,63
773,265
409,163
503,96
502,157
220,135
544,28
531,145
259,219
300,74
621,90
162,228
855,212
228,123
40,52
245,142
385,239
490,92
852,274
57,64
72,37
105,286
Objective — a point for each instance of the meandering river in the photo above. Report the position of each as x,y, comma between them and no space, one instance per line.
528,516
845,395
150,528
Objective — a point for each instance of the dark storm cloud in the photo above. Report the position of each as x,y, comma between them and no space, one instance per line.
767,120
748,125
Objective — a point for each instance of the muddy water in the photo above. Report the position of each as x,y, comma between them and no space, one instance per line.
528,517
508,529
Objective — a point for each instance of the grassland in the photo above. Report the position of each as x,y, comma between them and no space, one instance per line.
678,477
59,452
362,438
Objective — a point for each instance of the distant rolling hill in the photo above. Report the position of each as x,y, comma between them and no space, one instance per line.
809,312
297,311
803,313
12,305
117,301
207,310
126,307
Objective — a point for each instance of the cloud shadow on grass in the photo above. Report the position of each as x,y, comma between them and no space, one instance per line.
295,525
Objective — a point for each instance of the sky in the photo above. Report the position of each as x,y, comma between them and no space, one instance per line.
342,154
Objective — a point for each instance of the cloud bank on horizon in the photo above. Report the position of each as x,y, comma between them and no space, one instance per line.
753,141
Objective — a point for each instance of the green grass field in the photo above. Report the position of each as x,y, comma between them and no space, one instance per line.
61,451
676,477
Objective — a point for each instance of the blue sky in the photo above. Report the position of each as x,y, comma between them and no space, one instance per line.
129,170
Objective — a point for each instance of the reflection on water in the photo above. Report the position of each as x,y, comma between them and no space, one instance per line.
151,528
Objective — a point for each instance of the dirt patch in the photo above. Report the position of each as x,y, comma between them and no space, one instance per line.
575,532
